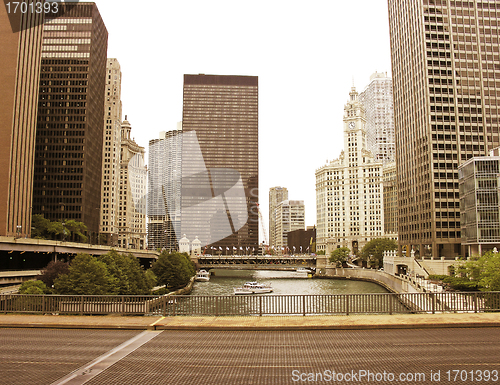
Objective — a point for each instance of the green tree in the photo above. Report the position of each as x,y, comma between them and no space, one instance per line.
374,250
53,270
87,276
130,276
339,256
173,270
34,287
39,226
483,271
77,230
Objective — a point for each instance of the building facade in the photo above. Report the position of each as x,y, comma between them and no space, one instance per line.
479,180
164,192
111,155
276,196
289,216
349,190
19,77
445,67
302,241
379,109
220,161
69,137
390,199
133,188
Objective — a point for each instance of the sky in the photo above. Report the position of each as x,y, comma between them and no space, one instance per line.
307,57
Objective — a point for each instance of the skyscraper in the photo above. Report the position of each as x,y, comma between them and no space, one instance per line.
379,109
19,77
445,67
111,154
69,140
288,216
220,161
133,187
349,197
276,196
164,192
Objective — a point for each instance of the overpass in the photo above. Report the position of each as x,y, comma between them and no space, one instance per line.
254,262
22,254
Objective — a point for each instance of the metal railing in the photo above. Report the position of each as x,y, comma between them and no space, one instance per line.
254,305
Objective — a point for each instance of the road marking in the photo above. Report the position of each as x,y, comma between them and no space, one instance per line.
158,320
97,366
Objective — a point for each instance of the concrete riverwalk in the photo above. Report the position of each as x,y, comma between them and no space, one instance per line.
228,323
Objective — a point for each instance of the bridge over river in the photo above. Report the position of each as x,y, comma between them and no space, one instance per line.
253,262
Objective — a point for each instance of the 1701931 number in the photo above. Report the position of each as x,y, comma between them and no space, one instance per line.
472,375
33,7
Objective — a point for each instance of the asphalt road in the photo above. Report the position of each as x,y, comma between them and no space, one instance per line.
415,356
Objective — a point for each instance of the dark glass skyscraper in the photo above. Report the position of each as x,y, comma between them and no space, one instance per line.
220,164
68,158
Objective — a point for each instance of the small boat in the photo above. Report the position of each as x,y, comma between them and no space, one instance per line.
302,272
253,288
202,276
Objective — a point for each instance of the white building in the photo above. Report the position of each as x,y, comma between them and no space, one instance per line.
379,111
133,187
288,216
276,196
349,190
164,193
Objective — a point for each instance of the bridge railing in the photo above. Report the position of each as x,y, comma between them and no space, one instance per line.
254,305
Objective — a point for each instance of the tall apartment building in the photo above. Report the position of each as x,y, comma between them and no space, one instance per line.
379,109
21,45
349,190
133,188
220,165
276,196
111,154
164,192
445,66
69,138
288,216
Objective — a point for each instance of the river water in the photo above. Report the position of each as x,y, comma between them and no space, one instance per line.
223,282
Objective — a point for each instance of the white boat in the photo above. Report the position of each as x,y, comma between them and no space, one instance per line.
253,288
202,276
302,272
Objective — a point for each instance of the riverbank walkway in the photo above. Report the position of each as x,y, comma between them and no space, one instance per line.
228,323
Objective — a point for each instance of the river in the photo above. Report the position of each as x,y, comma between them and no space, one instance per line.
222,282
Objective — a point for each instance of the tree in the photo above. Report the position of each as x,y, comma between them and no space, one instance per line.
77,230
53,270
33,287
46,229
484,272
130,276
87,276
374,250
340,256
173,270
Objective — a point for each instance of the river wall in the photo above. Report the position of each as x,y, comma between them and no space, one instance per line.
390,282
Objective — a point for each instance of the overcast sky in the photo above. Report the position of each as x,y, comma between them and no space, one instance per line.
306,55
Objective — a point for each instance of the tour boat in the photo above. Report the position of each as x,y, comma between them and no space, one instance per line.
203,276
253,288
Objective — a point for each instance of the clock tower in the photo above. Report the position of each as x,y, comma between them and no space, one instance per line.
349,199
354,131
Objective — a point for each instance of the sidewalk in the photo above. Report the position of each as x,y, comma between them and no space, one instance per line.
352,322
